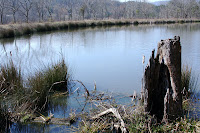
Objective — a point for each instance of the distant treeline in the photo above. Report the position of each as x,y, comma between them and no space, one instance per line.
18,11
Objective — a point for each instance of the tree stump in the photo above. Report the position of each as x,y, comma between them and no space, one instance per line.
162,81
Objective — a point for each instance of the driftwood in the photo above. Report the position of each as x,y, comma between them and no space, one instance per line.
116,114
56,121
162,81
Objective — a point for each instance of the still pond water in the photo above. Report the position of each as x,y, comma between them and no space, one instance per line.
111,56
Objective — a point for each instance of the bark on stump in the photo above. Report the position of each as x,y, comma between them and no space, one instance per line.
162,81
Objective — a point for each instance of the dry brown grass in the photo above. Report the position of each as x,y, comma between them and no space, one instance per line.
13,30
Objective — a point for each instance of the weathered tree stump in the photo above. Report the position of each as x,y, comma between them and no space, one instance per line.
162,81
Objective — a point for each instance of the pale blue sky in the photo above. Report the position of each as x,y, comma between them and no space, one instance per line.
141,0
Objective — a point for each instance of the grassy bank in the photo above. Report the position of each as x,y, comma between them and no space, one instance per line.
13,30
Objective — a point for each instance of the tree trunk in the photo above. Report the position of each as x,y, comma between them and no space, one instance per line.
27,16
14,18
1,18
162,81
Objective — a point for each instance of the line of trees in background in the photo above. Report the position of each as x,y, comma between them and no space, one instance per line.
18,11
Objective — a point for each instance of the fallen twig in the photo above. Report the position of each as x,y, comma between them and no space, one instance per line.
116,114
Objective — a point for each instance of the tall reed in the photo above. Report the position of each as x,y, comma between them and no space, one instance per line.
11,90
188,81
11,82
54,78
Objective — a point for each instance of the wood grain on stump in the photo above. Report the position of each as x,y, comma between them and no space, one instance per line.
162,81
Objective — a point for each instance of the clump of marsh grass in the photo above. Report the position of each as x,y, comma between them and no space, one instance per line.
11,80
20,100
11,92
189,91
54,78
188,82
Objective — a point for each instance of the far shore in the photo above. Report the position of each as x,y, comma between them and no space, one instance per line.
13,30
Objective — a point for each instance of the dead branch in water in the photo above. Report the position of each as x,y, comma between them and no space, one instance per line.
86,90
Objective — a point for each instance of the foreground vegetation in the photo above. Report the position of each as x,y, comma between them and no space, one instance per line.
106,115
21,100
13,30
134,118
24,100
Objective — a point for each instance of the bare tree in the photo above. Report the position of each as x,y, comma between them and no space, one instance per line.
115,9
198,10
50,8
191,8
25,9
104,8
82,11
68,6
14,6
146,9
184,8
40,8
91,8
2,9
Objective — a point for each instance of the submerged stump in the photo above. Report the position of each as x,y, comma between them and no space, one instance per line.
162,81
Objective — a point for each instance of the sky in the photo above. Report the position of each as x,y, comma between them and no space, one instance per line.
146,0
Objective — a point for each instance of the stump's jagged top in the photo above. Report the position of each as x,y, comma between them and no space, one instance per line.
162,81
